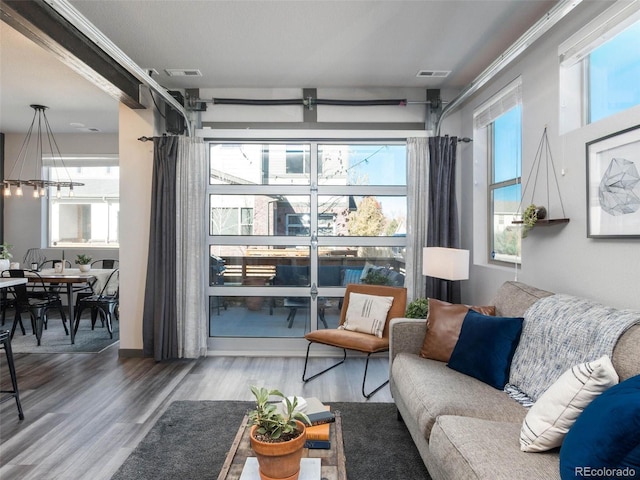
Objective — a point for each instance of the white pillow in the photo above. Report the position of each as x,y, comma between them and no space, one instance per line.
367,313
551,417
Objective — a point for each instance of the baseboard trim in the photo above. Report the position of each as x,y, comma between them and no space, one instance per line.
131,353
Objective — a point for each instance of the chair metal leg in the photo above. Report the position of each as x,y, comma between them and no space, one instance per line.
364,379
6,341
306,360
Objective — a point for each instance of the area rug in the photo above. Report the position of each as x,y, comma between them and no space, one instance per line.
54,340
191,439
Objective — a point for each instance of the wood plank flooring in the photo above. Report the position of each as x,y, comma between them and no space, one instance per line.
84,413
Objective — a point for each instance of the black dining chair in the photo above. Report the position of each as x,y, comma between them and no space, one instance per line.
105,304
52,263
36,304
106,263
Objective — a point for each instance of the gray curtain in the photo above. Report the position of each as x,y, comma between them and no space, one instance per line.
159,324
417,215
191,245
443,229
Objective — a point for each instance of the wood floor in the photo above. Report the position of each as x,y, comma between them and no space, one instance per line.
84,413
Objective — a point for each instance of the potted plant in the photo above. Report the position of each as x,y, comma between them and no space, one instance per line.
419,308
84,262
5,256
277,437
530,216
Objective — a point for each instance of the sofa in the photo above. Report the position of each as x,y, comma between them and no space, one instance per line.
465,428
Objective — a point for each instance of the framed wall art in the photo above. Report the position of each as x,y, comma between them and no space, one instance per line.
613,185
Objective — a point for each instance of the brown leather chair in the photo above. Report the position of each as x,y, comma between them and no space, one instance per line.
360,342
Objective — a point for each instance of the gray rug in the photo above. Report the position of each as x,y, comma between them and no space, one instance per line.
191,439
54,339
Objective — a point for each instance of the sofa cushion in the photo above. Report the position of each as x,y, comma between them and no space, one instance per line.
485,347
444,322
514,298
429,389
606,435
479,449
551,417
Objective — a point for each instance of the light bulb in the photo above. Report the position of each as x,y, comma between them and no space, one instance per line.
7,190
43,191
58,192
19,190
35,192
71,190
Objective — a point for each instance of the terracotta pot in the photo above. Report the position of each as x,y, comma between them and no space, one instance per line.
279,460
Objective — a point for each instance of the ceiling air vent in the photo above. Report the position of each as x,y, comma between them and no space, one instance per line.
433,73
183,72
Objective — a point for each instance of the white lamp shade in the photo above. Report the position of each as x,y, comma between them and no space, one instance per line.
445,263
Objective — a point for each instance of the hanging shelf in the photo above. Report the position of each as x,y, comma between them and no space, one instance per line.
543,151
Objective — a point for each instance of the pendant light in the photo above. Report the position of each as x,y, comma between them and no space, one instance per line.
36,144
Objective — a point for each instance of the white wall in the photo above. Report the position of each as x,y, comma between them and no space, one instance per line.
557,258
136,168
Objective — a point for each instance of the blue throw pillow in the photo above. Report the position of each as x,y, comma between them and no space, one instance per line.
351,276
485,347
605,440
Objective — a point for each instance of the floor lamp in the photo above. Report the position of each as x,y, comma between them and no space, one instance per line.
450,264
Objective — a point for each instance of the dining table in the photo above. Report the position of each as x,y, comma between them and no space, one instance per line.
95,278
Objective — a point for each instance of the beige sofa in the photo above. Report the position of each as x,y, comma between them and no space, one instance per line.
466,429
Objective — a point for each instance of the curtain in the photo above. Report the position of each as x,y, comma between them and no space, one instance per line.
159,323
190,246
417,215
443,229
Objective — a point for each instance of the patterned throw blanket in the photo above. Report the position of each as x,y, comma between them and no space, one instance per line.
559,332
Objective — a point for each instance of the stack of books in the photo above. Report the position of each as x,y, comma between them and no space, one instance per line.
318,434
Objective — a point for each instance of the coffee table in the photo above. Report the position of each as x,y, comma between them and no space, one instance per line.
332,460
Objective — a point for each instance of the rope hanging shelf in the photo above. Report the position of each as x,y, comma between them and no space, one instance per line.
543,213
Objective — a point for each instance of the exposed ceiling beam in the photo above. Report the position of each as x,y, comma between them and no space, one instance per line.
38,21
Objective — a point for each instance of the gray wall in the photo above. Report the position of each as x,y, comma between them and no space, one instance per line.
557,258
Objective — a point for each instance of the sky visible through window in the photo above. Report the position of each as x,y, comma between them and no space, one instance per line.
614,74
507,147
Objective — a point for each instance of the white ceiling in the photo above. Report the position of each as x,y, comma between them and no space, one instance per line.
265,43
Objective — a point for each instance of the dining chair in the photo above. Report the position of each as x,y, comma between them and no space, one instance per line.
352,337
37,306
105,303
105,263
51,264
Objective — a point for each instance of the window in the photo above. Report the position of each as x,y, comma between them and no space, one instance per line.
505,185
90,216
292,223
600,67
498,126
614,74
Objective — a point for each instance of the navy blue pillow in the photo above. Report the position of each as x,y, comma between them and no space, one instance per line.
485,347
605,440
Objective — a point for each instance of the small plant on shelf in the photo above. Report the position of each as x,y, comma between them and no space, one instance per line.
530,216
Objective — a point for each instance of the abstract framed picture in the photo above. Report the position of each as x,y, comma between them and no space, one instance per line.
613,185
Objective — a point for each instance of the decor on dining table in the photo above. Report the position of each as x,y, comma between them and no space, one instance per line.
34,146
5,256
83,262
613,185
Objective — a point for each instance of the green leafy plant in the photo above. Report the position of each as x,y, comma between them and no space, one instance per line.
4,251
83,259
419,308
274,426
529,219
375,277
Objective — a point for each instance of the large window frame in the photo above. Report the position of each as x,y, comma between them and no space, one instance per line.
506,101
99,196
321,234
578,74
